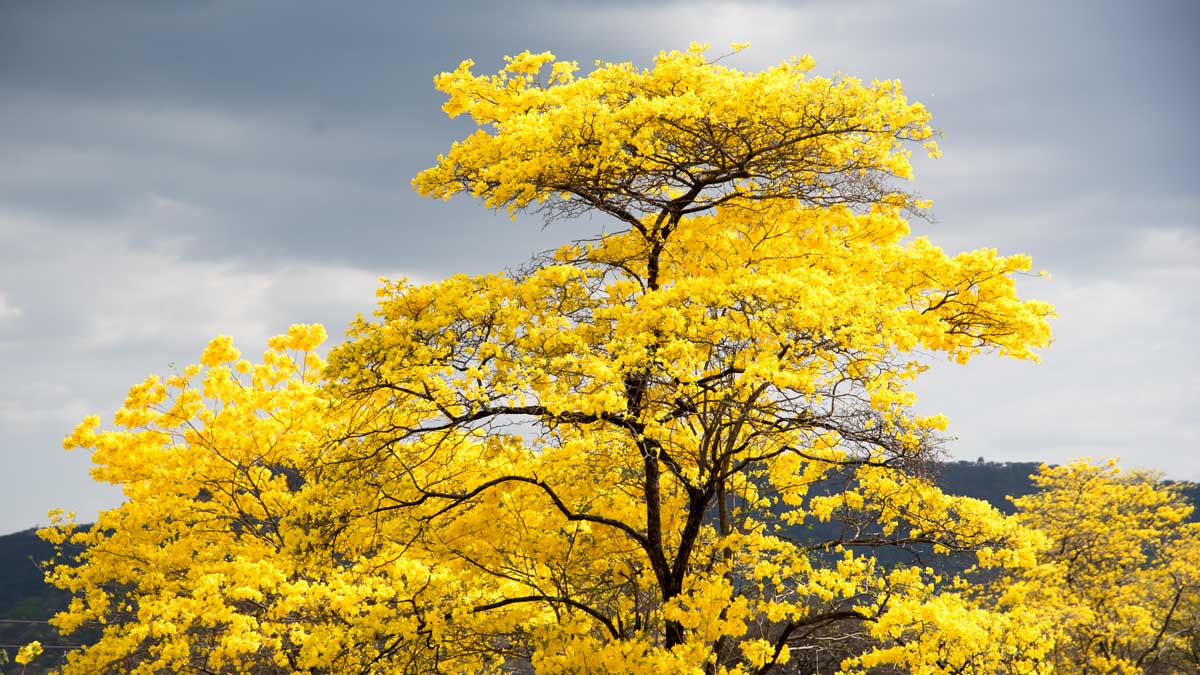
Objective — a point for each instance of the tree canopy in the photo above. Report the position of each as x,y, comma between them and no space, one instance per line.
677,447
1120,575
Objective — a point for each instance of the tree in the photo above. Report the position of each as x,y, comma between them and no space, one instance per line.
676,447
1121,571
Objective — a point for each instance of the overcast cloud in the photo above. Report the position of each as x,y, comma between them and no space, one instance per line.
173,171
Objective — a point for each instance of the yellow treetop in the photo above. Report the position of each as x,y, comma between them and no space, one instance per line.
681,137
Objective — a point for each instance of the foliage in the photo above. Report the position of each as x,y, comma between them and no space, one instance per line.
598,463
1121,574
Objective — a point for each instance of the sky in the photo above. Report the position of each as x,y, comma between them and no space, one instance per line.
177,170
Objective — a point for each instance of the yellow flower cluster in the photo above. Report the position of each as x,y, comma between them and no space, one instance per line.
29,652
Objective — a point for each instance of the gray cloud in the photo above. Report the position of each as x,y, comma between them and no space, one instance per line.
179,170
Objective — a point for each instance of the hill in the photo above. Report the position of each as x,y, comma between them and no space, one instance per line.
26,602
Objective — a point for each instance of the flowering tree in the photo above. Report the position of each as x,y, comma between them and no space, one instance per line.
676,447
1120,574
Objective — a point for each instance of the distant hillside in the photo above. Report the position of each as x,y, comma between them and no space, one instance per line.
26,601
996,481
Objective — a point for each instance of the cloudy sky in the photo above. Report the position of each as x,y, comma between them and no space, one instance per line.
176,170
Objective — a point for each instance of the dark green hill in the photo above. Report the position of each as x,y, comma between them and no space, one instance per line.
26,602
993,482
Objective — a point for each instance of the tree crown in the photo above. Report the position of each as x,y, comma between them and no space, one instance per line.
678,447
